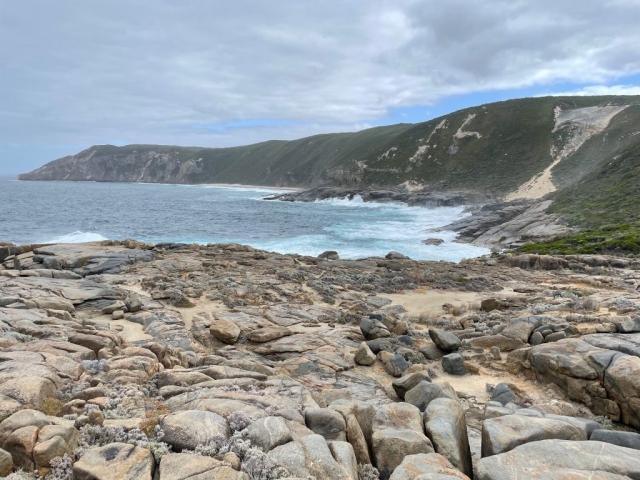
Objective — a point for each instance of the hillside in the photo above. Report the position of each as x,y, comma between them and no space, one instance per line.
518,148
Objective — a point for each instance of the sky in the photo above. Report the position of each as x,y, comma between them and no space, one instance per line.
225,73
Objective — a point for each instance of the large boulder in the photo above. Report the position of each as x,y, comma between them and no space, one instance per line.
269,432
559,459
326,422
622,439
521,328
6,463
309,456
426,466
444,340
446,426
425,392
505,433
182,466
116,461
190,428
396,365
390,446
22,418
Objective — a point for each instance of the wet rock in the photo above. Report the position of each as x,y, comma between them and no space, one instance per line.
454,364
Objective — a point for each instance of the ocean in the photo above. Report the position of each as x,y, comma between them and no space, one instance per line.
43,212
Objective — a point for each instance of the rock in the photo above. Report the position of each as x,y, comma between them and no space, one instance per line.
433,241
502,434
46,450
505,344
425,392
395,256
405,383
133,302
356,438
364,355
6,463
631,325
426,466
22,418
495,353
554,337
343,453
444,340
521,328
326,422
181,466
117,315
491,304
446,427
190,428
454,364
116,461
372,329
20,445
502,393
391,446
225,330
396,365
536,338
622,439
329,255
309,456
268,334
432,352
558,459
584,424
269,432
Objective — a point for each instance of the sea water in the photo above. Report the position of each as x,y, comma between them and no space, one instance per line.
43,212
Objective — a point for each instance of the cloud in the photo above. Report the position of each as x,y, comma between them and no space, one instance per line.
600,90
158,70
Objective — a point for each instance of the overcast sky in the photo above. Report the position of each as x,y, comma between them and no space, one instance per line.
222,73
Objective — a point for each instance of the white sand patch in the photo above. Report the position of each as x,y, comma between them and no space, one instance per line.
581,124
417,301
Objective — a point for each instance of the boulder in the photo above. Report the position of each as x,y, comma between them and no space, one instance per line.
424,392
309,456
396,365
505,344
181,466
268,334
46,450
225,330
326,422
444,340
116,461
329,255
20,445
364,355
521,328
343,453
490,304
426,466
390,446
190,428
622,439
505,433
559,459
269,432
446,427
631,325
6,463
502,393
405,383
454,364
396,256
373,329
356,438
22,418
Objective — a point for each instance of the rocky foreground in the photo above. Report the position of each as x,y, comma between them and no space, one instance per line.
121,360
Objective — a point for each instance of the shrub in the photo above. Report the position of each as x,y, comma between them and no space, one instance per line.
51,406
368,472
238,421
61,468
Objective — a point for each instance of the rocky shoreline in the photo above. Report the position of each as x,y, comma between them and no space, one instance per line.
492,223
171,361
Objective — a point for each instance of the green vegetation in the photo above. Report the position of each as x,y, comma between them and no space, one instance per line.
621,239
492,148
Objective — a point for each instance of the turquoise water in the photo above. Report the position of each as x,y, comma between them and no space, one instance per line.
38,212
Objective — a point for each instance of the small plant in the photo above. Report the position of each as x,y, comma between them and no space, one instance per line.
61,468
606,422
368,472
